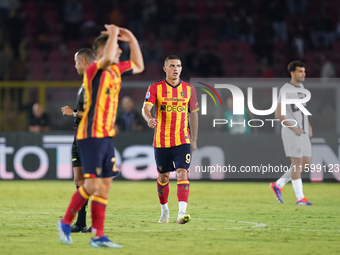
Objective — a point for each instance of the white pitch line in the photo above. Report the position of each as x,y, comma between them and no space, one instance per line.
256,225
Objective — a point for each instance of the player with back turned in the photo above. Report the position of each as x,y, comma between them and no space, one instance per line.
102,83
175,103
82,58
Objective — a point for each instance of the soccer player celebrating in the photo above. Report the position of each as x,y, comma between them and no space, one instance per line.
295,139
102,82
174,99
82,58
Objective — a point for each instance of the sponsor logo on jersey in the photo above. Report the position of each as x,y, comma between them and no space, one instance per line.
173,99
173,108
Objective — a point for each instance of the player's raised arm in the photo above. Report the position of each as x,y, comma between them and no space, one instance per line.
111,47
136,56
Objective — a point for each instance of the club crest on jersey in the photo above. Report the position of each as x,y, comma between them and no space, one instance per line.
183,93
98,170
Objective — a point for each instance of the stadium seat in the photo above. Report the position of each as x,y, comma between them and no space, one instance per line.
168,47
37,72
35,55
72,74
224,47
243,47
55,56
153,71
56,71
230,70
336,46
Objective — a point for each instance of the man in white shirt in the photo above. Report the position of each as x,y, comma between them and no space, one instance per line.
295,139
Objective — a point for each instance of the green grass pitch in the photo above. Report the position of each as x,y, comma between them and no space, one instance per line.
227,218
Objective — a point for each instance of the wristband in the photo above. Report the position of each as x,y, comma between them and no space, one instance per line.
75,111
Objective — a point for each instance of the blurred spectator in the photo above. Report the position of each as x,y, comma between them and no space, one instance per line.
266,71
5,8
337,28
129,120
115,15
38,121
17,69
297,6
237,124
327,73
264,43
242,25
17,72
73,16
11,119
190,60
264,24
149,11
42,30
277,14
327,69
152,49
187,25
15,28
322,29
299,37
3,63
166,17
209,63
135,18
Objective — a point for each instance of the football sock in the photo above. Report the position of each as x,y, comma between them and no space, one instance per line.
98,207
182,194
284,179
297,186
81,218
165,208
163,193
182,207
79,198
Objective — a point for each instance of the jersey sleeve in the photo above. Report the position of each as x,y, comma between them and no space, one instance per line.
126,67
92,69
151,95
289,95
193,104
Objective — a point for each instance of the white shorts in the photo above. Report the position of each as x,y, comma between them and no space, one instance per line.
296,146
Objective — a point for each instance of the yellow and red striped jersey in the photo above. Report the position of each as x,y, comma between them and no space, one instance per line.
102,88
172,106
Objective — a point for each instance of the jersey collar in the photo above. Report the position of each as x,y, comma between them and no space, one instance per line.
295,86
179,83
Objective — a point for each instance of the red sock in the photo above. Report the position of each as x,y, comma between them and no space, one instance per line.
183,190
98,207
78,200
163,192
